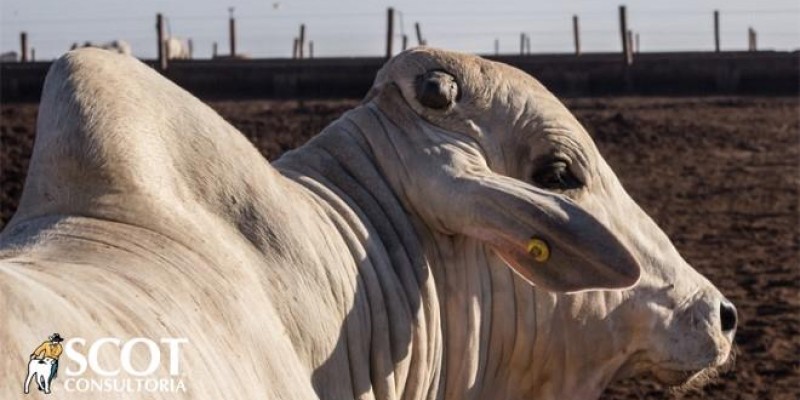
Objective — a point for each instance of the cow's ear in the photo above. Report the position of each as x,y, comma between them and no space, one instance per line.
545,237
451,188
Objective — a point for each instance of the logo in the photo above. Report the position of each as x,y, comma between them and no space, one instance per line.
136,365
43,363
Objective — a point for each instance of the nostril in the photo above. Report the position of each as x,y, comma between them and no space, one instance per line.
727,316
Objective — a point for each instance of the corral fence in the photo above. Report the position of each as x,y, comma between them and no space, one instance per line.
726,73
629,72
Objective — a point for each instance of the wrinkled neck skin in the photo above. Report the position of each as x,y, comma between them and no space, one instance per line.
446,318
509,340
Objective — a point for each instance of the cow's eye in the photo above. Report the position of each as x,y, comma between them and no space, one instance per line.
555,175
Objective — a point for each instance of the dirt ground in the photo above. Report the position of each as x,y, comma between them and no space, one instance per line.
720,176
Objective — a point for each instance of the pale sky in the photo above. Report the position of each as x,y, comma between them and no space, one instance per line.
357,28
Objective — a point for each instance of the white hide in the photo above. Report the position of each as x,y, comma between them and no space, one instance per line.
385,259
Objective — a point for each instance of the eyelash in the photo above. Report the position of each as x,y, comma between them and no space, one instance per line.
555,174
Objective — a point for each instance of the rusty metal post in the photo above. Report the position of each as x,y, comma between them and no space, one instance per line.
576,35
716,31
389,31
753,39
23,46
161,45
623,29
302,44
231,32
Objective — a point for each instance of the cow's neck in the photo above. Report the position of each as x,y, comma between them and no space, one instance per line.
388,341
507,339
461,324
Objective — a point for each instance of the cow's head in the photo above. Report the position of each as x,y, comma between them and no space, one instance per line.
490,154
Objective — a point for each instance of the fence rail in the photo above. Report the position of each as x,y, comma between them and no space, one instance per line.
592,74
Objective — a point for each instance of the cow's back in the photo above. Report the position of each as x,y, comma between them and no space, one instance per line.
93,279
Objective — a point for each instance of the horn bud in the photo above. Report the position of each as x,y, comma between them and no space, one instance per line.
437,89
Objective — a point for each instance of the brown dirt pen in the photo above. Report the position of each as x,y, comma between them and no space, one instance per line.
719,175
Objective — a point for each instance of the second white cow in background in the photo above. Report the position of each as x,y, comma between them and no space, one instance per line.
9,56
178,49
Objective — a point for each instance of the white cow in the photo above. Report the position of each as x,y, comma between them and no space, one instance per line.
390,257
39,370
178,48
9,56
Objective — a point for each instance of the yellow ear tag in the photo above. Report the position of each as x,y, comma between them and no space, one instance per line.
539,250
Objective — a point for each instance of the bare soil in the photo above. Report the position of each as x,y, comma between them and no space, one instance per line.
719,175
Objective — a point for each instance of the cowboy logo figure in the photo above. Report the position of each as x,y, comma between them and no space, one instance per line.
43,364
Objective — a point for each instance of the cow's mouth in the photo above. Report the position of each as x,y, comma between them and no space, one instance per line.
687,380
672,377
